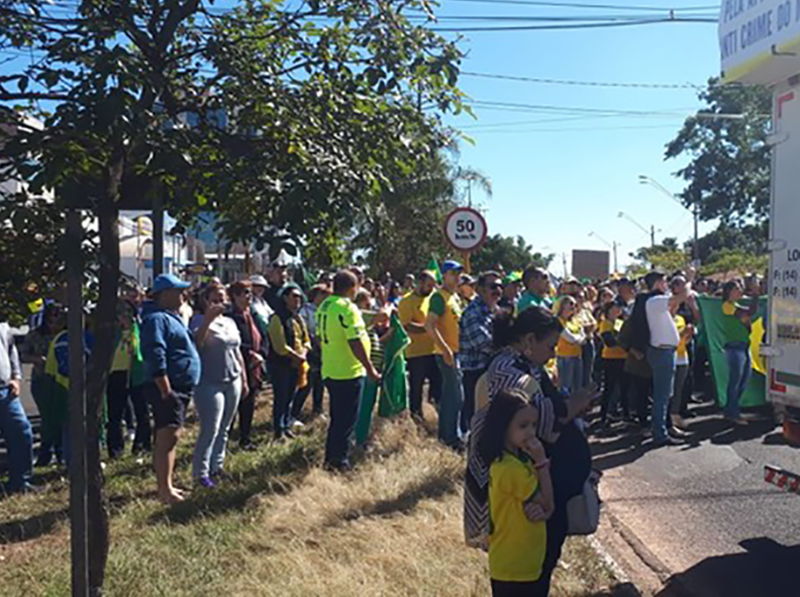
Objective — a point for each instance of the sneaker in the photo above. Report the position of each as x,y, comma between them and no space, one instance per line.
298,425
737,420
206,483
668,441
679,433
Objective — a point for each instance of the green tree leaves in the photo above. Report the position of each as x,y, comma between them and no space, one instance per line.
728,172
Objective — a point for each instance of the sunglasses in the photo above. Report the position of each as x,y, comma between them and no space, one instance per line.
496,286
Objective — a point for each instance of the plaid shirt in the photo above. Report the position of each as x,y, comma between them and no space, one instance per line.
475,342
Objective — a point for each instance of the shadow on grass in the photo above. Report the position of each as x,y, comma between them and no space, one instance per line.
17,531
431,487
270,474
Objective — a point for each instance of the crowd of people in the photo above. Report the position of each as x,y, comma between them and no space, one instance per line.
511,362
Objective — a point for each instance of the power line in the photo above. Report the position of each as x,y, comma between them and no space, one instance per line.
606,25
584,83
579,110
597,6
576,129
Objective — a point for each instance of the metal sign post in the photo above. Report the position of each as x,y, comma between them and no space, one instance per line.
465,229
78,495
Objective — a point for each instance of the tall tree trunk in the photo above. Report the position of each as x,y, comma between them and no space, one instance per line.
106,329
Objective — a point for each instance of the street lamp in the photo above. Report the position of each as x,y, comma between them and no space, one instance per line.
612,246
651,231
694,210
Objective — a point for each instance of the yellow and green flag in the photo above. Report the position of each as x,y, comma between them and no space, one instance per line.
713,336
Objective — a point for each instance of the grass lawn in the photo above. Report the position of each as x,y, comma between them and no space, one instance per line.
279,526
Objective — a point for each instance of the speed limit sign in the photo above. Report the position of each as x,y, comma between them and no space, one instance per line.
465,229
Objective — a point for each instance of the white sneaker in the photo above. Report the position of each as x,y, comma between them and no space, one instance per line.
298,424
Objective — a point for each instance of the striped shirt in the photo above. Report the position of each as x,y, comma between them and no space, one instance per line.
508,370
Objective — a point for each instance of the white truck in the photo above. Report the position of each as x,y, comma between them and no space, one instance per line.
760,44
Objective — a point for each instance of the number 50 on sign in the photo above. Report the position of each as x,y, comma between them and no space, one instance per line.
465,229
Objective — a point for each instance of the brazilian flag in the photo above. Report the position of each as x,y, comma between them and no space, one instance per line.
712,335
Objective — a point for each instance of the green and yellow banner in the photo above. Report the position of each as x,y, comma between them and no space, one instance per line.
713,336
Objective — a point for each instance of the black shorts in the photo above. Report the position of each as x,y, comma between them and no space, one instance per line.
171,411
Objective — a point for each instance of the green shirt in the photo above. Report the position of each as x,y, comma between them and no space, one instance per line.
338,322
529,299
735,330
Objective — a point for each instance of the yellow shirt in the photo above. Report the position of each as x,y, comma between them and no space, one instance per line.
612,352
683,350
565,348
516,545
338,322
414,309
448,307
277,335
124,353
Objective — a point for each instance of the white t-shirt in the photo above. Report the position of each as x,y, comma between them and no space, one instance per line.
663,331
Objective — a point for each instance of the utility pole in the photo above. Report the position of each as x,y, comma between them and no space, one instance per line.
564,261
158,234
616,266
652,236
696,251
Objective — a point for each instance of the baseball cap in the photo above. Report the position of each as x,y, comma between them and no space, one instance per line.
258,280
168,282
449,266
466,279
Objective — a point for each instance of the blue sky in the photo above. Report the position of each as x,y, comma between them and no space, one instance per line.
554,183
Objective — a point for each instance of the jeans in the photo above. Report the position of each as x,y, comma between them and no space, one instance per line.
641,389
420,369
50,429
737,355
451,402
663,363
570,373
614,377
471,378
247,408
681,376
588,354
18,434
216,405
141,410
117,399
345,396
284,387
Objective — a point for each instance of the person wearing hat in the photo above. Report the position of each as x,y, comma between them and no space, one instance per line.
260,308
287,358
466,289
510,297
173,370
442,324
420,360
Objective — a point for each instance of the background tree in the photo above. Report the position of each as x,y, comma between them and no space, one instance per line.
729,161
292,115
507,254
401,232
667,257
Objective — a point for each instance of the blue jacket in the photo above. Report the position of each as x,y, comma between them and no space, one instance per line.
168,347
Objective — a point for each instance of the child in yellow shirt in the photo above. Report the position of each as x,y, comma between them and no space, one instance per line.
519,478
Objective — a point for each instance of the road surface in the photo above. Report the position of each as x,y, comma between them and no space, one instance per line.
701,516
